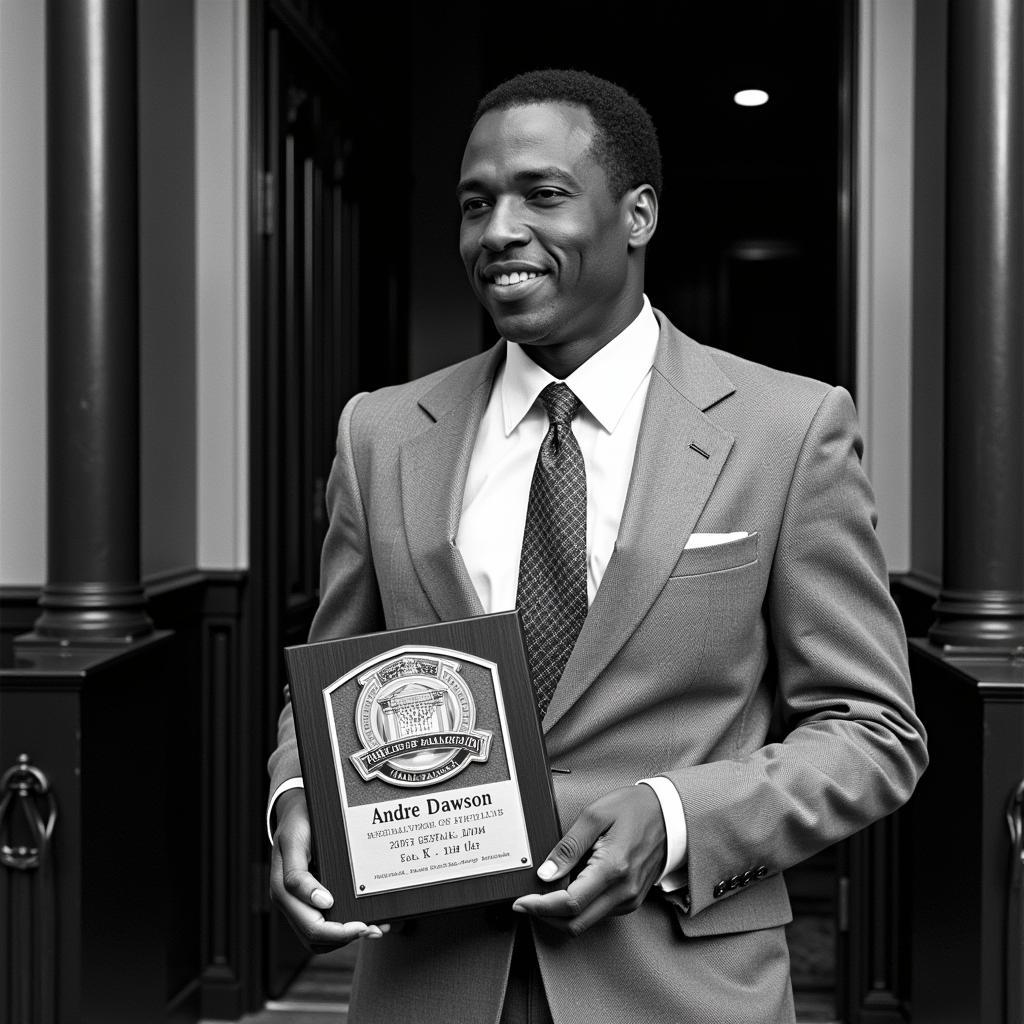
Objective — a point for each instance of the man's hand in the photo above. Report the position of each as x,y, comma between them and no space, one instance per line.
624,833
296,891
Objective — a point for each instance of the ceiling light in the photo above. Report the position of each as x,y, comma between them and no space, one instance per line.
751,98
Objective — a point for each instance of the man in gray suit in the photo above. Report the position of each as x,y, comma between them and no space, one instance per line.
725,572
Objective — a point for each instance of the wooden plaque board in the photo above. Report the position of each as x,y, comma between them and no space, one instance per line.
424,765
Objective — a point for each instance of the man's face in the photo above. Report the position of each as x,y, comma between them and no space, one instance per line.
544,243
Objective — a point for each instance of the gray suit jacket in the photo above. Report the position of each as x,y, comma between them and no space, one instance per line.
686,658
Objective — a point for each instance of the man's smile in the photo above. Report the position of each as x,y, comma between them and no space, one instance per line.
514,278
507,281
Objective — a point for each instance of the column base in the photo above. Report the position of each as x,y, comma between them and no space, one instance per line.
979,620
102,614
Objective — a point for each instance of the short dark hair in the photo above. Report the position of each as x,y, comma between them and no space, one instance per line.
625,143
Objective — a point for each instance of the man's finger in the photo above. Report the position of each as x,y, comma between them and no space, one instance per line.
605,905
296,876
306,887
298,892
309,924
321,936
622,836
593,880
573,846
598,892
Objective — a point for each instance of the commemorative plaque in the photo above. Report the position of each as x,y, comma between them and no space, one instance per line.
424,767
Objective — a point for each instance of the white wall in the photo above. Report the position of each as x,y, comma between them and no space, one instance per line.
222,296
22,292
885,262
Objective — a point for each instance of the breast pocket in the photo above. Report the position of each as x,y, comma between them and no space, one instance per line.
733,554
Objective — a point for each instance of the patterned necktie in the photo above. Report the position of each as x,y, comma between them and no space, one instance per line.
552,595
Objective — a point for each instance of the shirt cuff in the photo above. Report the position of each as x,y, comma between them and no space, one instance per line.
295,783
673,877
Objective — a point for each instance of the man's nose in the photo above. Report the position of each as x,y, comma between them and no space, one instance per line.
505,227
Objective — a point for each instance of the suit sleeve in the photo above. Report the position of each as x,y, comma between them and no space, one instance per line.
853,747
349,598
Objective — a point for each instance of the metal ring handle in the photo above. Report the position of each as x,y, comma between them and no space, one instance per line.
24,786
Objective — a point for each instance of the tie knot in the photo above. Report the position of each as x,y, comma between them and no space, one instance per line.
561,404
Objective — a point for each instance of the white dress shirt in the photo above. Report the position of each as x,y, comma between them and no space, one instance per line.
612,387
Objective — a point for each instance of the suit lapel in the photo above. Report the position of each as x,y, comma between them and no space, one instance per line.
434,465
680,454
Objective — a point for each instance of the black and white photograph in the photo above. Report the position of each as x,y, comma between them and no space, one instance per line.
512,515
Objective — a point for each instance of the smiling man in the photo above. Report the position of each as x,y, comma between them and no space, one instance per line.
690,540
553,251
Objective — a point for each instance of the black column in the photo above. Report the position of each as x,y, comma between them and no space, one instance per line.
93,590
982,599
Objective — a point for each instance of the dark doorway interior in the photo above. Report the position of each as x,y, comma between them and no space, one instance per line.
747,255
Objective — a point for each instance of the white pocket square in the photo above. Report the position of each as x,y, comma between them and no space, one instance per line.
707,540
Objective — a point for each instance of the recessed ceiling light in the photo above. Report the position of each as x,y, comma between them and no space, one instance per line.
750,98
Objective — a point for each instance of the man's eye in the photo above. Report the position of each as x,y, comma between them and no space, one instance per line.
547,193
474,205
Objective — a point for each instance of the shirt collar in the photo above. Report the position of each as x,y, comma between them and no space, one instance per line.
604,383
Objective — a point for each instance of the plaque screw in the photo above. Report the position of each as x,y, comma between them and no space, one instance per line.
522,860
362,888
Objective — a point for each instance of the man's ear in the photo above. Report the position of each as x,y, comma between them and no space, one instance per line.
640,205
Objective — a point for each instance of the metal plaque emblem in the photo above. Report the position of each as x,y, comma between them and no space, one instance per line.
415,716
